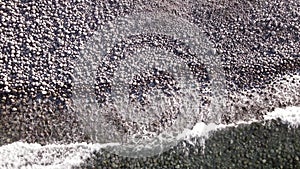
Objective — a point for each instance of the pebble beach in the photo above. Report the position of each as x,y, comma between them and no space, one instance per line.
256,41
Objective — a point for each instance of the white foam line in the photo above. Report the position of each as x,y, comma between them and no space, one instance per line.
289,115
56,156
25,155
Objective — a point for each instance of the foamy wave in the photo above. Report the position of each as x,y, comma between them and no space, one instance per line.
54,156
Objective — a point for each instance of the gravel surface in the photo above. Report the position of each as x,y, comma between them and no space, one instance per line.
258,42
38,43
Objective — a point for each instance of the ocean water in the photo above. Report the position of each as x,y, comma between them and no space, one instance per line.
54,156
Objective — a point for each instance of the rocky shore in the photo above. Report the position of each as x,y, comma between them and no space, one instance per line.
257,41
